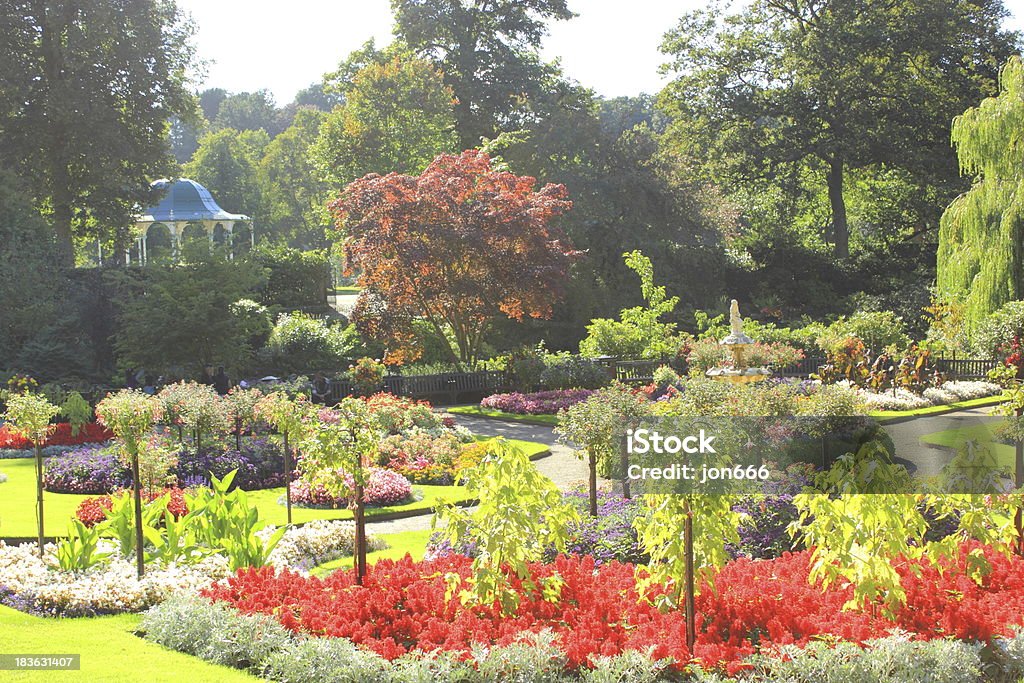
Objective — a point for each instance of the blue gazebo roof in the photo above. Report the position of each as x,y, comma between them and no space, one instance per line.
186,200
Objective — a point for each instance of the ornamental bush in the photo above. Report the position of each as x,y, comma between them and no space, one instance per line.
383,487
300,343
537,403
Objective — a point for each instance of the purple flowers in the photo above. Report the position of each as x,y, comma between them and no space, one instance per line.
87,469
539,403
260,465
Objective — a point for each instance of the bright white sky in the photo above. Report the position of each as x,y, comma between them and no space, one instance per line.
612,46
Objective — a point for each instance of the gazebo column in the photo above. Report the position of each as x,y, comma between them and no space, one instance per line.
229,235
177,230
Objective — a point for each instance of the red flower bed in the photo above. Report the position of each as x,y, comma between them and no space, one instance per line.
758,605
92,511
91,432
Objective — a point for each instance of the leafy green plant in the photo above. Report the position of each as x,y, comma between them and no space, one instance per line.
77,410
29,416
224,519
520,513
79,551
366,376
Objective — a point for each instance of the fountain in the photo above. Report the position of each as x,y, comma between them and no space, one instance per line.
737,343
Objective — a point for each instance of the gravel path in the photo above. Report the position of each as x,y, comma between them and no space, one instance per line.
562,467
925,460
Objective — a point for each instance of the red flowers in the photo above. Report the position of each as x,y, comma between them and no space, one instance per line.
758,605
60,436
93,510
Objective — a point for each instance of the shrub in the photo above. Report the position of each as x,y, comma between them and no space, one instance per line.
300,343
366,376
420,456
879,330
572,372
998,330
88,469
215,634
383,487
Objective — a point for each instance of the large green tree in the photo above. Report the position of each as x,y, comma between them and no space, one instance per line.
487,50
787,89
294,192
227,164
87,90
397,116
981,239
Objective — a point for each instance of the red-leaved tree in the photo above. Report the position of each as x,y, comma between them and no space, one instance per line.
457,246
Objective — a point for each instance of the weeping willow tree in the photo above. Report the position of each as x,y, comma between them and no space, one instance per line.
981,235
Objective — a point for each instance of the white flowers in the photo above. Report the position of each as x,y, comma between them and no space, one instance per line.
949,392
315,543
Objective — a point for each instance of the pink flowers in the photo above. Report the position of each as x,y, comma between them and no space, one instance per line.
383,487
539,403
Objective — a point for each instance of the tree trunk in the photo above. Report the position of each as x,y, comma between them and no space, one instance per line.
238,434
840,226
39,495
691,617
592,461
140,564
359,553
287,477
1018,481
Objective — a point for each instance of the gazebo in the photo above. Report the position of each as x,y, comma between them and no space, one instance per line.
186,213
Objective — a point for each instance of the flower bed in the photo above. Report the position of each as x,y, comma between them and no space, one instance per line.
91,511
948,392
316,543
260,465
61,435
539,403
383,487
758,605
86,469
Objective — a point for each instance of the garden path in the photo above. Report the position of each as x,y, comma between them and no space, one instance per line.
928,460
562,467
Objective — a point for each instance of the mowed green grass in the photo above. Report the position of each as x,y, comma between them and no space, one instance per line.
983,434
110,651
477,411
400,544
886,415
18,501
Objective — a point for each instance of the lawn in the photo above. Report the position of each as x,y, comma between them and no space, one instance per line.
477,411
891,415
345,290
18,518
982,434
109,649
111,652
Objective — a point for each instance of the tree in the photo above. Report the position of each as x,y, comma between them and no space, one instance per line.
488,54
88,88
182,316
296,196
459,245
397,116
30,281
247,111
980,261
29,416
227,164
789,88
130,415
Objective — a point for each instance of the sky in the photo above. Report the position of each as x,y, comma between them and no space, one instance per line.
611,47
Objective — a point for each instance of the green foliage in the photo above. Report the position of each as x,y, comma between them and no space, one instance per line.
397,117
660,532
301,343
29,415
180,317
639,332
295,278
227,164
520,513
597,424
366,375
78,552
225,520
84,110
77,411
993,334
979,261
